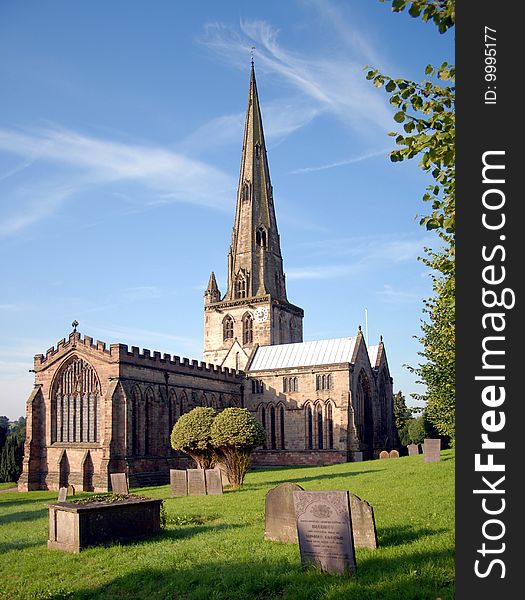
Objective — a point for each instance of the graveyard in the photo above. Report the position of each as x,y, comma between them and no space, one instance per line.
213,545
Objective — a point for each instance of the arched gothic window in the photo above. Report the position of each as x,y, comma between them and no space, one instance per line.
260,237
240,286
75,403
281,426
330,426
272,428
149,421
227,327
309,427
319,412
247,323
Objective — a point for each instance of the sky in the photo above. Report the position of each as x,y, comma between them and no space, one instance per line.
121,130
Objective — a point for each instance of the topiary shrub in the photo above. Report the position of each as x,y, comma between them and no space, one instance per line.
235,432
191,434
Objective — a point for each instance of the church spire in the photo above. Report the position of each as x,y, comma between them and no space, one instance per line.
255,263
212,293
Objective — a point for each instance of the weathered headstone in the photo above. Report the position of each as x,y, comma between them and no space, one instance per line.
384,454
224,473
363,523
62,494
432,450
213,481
358,456
324,529
178,482
70,490
393,454
119,483
196,482
413,449
279,514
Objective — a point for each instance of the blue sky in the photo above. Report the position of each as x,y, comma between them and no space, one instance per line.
120,141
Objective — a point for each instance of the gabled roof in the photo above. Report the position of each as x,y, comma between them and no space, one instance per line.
303,354
373,354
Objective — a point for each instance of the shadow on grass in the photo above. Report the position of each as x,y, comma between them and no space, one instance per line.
10,546
424,576
23,515
183,532
299,480
405,534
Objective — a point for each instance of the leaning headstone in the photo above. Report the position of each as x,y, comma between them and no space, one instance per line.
62,494
178,482
279,514
119,483
213,481
384,454
432,450
363,523
393,454
196,482
324,529
413,449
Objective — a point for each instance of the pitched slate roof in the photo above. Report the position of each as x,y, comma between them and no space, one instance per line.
303,354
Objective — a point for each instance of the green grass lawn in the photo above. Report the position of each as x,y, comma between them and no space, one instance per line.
6,486
213,546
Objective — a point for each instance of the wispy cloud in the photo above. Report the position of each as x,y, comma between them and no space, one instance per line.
392,296
87,161
341,163
332,83
365,253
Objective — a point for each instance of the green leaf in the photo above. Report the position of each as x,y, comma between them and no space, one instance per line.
390,86
399,117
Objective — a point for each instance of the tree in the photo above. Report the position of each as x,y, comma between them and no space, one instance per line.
4,430
18,428
427,112
191,434
234,434
11,457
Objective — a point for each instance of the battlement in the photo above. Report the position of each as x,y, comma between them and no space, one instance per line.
134,355
75,340
146,357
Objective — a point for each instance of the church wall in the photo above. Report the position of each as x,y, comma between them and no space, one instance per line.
300,384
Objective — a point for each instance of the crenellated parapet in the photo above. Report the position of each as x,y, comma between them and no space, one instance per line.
123,354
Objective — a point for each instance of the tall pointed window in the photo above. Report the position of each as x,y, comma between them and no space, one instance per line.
281,426
330,426
309,427
240,286
227,327
319,427
247,324
260,237
272,428
75,403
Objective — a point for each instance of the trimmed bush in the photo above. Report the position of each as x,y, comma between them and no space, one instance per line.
191,434
235,432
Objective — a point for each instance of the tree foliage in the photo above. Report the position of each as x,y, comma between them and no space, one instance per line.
427,113
234,434
11,457
191,434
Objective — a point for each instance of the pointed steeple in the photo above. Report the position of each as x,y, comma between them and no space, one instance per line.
255,263
212,293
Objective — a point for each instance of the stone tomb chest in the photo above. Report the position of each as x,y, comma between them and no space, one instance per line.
73,527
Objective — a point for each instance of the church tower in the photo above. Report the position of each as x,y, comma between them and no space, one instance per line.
254,310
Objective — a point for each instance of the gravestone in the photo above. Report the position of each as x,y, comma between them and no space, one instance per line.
119,483
384,454
213,481
62,494
432,450
363,523
178,482
70,490
358,456
279,514
413,449
196,482
393,454
324,529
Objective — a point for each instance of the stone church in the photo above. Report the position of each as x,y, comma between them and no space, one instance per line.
96,410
